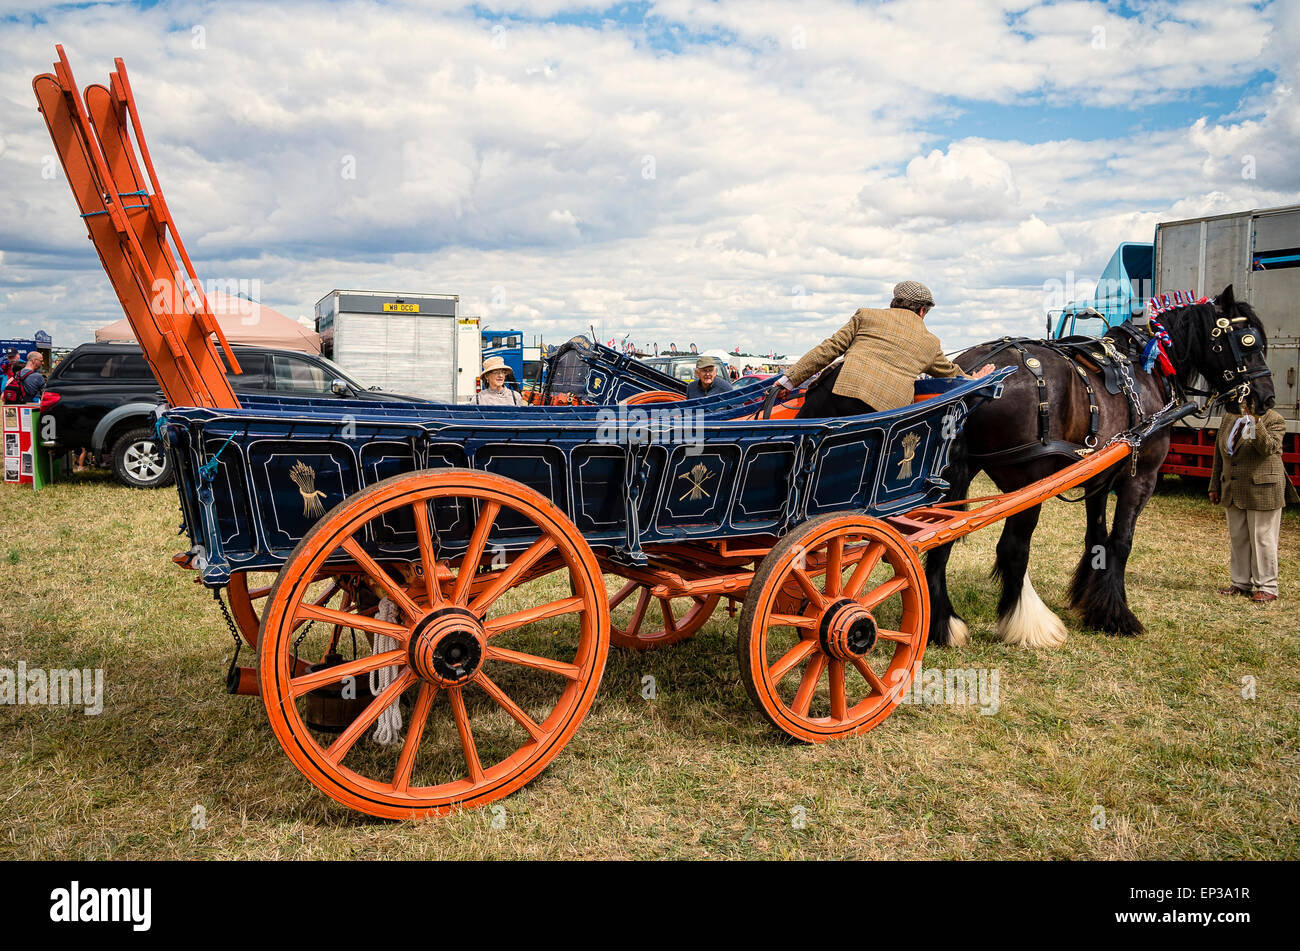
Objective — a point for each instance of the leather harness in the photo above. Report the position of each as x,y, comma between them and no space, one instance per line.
1099,354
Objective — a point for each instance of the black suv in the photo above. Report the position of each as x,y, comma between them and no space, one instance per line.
101,396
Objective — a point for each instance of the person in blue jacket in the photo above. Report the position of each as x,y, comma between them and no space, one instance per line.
707,382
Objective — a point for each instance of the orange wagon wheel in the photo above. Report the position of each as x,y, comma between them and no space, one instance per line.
248,591
639,621
498,669
840,660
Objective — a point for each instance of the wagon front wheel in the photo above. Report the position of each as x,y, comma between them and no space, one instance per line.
497,662
835,659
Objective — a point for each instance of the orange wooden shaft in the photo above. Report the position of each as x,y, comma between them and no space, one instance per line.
950,525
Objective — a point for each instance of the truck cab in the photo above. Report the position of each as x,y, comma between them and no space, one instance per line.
1122,292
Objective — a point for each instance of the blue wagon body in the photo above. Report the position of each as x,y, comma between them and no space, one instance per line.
637,477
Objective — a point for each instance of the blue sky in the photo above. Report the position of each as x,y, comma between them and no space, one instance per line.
747,173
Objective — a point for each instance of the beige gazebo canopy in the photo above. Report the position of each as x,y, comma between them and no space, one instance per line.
242,321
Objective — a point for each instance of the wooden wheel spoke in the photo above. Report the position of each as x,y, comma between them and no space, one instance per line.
333,589
666,609
414,733
809,589
257,594
428,558
353,668
345,740
568,671
834,566
509,622
878,594
622,594
478,542
839,704
808,684
638,615
507,578
509,706
866,564
360,621
871,677
791,620
897,637
386,581
790,659
461,716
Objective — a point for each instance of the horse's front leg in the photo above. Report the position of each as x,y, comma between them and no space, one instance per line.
1094,542
947,629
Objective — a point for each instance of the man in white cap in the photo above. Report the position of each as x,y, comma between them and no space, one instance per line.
883,350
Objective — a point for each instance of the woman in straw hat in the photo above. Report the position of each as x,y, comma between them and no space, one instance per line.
494,391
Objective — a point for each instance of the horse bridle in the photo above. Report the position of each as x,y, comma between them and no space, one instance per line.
1244,342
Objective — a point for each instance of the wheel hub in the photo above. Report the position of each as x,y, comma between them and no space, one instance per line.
847,630
447,647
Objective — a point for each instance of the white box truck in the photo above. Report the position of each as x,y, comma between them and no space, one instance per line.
1258,253
406,343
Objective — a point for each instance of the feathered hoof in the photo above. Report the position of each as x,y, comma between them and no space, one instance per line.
1117,626
958,632
1031,623
952,633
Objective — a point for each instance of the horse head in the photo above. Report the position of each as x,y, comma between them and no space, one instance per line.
1224,341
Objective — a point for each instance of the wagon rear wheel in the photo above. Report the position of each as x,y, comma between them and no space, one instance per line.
836,660
498,665
640,621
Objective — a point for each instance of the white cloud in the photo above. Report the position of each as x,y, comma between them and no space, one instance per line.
599,178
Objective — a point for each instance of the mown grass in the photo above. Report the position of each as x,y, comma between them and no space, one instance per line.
1154,730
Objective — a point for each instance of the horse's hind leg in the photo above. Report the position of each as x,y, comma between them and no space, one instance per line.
1023,618
1105,602
946,628
1094,545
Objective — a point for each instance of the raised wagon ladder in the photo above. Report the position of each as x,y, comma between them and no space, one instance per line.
134,234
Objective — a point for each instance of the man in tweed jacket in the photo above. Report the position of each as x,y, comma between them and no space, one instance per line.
1249,481
883,350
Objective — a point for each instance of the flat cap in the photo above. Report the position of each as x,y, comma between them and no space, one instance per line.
705,361
913,292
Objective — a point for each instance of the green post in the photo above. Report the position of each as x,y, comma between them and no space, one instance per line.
42,462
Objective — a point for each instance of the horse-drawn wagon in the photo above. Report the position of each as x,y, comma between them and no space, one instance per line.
440,613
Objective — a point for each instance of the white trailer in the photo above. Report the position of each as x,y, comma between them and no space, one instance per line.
416,344
1258,252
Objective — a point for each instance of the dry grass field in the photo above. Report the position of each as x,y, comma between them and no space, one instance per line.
1152,735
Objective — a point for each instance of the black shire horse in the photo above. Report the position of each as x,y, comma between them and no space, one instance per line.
1222,340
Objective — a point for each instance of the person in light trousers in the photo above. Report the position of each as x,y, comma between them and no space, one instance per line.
1250,482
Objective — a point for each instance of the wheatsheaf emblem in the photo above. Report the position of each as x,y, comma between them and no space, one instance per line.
697,476
909,452
305,476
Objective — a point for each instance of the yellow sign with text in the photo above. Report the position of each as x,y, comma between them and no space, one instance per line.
401,308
